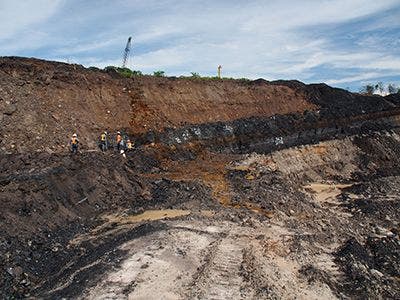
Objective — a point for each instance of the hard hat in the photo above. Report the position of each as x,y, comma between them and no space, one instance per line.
74,135
105,132
118,132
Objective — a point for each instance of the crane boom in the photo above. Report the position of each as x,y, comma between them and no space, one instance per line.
126,52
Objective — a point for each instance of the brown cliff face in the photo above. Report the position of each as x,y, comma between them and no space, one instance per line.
42,103
54,100
203,101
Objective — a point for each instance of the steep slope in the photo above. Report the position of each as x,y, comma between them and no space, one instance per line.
55,99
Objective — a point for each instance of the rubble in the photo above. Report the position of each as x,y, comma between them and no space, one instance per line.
371,269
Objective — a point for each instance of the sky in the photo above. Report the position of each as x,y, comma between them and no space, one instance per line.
344,43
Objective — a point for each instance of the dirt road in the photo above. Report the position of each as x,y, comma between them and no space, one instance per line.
200,257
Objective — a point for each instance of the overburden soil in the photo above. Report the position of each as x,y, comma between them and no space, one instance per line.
235,189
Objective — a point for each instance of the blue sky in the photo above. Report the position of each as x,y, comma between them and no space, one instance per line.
345,43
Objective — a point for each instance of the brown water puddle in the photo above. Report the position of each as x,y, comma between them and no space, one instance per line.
326,192
148,215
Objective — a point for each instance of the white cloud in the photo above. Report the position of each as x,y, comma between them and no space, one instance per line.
384,63
16,16
361,77
30,39
86,47
155,32
295,14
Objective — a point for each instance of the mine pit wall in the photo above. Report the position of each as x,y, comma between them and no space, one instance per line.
264,135
54,100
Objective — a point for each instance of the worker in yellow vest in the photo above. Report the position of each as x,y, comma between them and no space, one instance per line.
74,143
129,145
103,141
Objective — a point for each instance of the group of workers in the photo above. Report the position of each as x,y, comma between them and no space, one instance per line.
121,144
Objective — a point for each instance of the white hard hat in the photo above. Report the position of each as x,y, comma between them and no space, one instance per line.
118,132
74,135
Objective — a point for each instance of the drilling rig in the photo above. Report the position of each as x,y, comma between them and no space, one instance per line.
126,52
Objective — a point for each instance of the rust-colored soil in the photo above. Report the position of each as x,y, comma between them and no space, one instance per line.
200,101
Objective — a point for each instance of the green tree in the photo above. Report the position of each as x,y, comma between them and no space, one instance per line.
108,68
126,72
195,75
159,73
137,73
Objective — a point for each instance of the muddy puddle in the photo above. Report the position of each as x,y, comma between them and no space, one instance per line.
326,192
149,215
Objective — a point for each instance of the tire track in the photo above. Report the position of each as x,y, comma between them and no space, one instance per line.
220,276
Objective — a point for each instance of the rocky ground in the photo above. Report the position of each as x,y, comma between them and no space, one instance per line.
299,200
299,222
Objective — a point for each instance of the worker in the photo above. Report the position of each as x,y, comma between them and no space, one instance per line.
129,145
119,141
74,143
103,141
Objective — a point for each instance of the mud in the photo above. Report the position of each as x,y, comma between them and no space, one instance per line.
149,215
326,192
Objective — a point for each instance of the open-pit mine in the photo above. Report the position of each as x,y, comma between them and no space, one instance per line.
234,189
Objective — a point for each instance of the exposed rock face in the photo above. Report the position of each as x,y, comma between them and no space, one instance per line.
56,99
